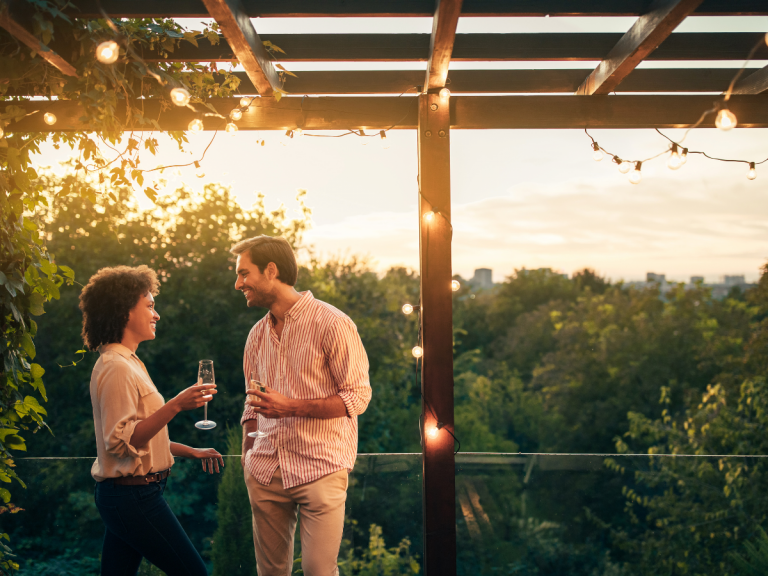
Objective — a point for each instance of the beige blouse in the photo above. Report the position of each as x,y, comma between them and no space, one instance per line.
123,394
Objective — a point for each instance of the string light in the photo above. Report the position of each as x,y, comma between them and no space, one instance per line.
245,102
299,132
445,93
597,155
236,114
407,309
180,96
2,132
49,118
674,161
384,141
230,128
199,170
455,285
684,155
196,125
751,173
725,120
636,175
107,52
433,431
429,216
287,138
417,351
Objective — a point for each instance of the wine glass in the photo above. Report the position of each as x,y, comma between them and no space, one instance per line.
205,375
256,384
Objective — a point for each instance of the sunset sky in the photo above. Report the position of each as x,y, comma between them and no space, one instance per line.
521,198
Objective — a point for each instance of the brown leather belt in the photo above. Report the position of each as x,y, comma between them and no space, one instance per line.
142,480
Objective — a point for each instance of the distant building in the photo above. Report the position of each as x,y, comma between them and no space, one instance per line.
734,280
653,277
697,279
719,290
483,278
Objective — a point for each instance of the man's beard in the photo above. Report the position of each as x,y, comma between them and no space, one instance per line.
261,300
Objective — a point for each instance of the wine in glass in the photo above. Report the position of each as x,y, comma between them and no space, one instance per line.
205,376
256,384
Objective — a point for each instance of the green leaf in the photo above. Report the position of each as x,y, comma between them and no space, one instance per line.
36,301
5,495
67,271
37,371
28,345
3,279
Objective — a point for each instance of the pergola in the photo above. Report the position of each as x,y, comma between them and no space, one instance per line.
381,100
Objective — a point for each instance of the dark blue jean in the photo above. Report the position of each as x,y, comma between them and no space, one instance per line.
140,524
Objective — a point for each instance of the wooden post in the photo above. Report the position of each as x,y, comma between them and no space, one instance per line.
435,233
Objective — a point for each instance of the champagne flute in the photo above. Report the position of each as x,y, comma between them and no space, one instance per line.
256,384
205,375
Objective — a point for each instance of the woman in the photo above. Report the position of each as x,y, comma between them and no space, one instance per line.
135,454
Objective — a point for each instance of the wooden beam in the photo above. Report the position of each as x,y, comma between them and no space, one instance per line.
441,41
467,112
401,8
472,47
245,43
16,18
645,35
438,479
755,83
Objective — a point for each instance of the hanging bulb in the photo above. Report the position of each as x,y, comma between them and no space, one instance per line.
624,166
684,156
236,114
455,285
429,216
445,94
230,128
199,170
674,161
636,175
384,141
417,351
407,309
180,96
298,133
433,431
245,102
287,138
597,155
196,125
49,118
725,120
107,52
751,173
2,132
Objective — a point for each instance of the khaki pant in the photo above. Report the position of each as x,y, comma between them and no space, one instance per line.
321,505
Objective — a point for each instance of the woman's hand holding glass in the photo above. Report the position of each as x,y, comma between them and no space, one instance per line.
194,396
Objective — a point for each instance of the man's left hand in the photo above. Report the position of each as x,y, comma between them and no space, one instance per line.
271,404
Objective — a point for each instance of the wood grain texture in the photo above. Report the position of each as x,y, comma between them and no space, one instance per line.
245,44
467,112
403,8
645,35
441,41
16,18
436,298
754,83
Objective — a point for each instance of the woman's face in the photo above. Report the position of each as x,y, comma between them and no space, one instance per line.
142,321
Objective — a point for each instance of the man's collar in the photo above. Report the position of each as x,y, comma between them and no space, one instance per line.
119,348
295,311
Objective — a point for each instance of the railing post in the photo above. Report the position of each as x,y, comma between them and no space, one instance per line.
437,335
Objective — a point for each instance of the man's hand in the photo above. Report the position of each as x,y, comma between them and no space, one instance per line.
271,404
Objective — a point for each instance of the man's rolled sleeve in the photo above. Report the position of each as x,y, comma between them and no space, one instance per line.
248,414
119,411
349,365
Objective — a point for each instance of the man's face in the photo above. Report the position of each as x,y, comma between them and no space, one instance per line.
258,288
143,318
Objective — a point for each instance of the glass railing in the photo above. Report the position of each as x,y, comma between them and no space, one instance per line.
516,514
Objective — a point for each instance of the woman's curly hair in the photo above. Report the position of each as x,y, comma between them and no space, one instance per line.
107,300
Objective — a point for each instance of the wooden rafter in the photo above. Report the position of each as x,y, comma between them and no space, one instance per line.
650,30
245,43
16,18
444,23
755,83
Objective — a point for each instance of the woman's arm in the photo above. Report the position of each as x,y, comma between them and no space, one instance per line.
208,456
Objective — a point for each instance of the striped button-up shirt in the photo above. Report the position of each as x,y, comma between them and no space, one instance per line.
318,355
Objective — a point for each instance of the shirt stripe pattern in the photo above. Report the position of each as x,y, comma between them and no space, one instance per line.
318,355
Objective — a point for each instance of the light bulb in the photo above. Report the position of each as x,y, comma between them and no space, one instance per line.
624,166
2,132
107,52
180,96
636,175
230,128
407,309
684,155
384,141
445,93
597,155
429,216
751,174
674,161
725,120
199,170
287,138
417,351
433,431
236,114
455,285
766,37
49,118
245,102
298,133
196,125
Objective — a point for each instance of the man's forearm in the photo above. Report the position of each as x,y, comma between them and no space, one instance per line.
325,408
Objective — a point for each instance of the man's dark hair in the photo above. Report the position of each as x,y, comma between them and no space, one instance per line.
108,298
265,249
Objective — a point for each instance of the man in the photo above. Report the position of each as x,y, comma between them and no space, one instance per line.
315,369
